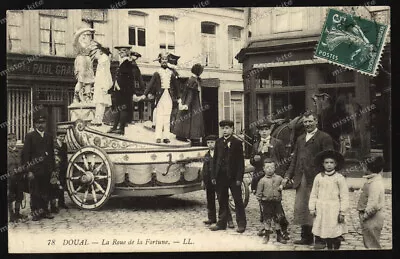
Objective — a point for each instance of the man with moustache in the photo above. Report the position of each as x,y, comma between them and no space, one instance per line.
38,155
302,171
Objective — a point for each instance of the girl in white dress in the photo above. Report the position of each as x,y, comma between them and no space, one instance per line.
329,199
102,83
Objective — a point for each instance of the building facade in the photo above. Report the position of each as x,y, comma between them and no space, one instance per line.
40,57
280,76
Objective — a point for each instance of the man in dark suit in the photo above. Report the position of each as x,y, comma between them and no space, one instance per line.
61,146
228,174
209,187
303,171
128,82
38,159
265,149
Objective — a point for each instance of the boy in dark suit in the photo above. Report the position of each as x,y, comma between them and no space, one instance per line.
61,148
228,175
209,187
15,180
38,158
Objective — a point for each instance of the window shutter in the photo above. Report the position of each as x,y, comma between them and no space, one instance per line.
227,105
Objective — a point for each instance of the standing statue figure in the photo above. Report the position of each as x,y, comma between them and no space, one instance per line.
164,86
83,65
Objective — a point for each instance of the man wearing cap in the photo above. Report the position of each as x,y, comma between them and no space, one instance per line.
268,148
164,86
228,175
208,167
61,147
128,82
38,159
303,171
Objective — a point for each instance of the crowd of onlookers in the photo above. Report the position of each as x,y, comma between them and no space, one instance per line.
321,201
313,170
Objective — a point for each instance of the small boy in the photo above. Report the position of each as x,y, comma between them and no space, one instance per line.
55,185
269,194
15,180
371,202
61,147
209,187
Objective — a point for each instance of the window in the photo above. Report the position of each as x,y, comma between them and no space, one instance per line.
14,33
287,19
19,111
227,105
237,111
234,45
137,29
208,44
167,33
52,33
95,19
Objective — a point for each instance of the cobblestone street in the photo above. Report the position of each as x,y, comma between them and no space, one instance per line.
183,215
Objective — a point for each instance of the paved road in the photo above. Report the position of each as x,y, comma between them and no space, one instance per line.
182,215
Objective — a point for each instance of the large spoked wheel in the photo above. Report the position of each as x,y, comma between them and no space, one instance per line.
245,196
90,179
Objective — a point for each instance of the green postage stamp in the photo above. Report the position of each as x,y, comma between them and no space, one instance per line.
352,42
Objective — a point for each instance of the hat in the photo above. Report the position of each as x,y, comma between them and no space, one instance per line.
224,123
11,136
319,158
40,118
122,47
172,59
197,69
135,54
211,137
265,124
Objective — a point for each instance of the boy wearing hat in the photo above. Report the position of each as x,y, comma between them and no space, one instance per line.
329,200
164,86
61,148
128,82
371,203
15,180
228,175
38,159
209,187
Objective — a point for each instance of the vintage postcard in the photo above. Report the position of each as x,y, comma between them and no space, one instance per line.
198,129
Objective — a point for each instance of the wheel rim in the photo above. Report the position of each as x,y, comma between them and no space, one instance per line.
89,178
244,198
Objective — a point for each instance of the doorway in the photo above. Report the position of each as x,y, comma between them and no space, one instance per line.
209,97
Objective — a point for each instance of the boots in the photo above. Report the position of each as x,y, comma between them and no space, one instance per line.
279,237
11,213
53,207
336,243
319,243
267,236
307,237
18,215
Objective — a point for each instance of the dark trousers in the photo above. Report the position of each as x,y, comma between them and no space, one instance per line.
333,243
39,189
211,208
123,114
306,232
223,186
61,199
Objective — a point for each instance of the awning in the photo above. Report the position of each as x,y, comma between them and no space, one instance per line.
290,63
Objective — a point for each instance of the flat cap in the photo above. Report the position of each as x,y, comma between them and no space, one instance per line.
224,123
211,137
122,47
40,118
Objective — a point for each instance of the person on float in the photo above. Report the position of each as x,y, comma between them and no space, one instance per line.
102,83
164,87
189,123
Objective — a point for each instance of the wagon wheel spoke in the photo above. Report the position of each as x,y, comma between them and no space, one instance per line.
100,177
94,194
97,169
85,161
79,188
93,163
99,187
79,168
85,195
75,178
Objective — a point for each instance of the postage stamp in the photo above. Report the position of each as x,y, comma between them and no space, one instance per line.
352,42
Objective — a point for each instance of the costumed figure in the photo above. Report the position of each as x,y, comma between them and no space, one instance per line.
102,83
83,66
127,85
189,124
164,79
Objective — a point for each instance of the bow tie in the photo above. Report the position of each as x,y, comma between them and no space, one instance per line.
265,140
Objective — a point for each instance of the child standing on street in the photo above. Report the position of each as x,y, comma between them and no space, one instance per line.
269,194
371,203
329,199
55,184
